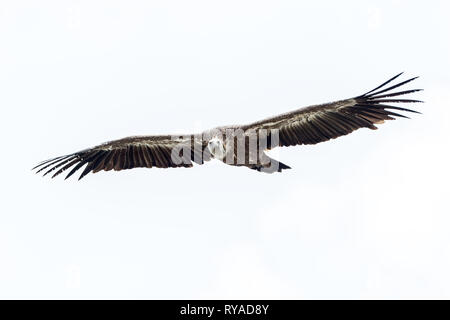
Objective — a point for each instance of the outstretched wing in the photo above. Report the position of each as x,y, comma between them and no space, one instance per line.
327,121
128,153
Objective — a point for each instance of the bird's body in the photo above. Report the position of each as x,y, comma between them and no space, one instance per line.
240,145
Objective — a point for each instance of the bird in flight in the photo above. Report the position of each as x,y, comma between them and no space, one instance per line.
240,145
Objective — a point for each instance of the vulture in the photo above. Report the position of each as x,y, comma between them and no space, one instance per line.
241,145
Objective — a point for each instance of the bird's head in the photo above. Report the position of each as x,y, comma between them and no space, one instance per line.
216,148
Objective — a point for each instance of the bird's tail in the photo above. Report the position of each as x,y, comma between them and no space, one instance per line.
271,167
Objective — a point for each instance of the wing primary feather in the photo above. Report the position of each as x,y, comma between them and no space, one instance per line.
59,164
67,166
91,164
377,113
82,163
48,164
396,114
391,87
396,101
394,94
382,85
385,106
47,161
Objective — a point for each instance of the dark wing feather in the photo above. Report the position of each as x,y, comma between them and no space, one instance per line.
128,153
327,121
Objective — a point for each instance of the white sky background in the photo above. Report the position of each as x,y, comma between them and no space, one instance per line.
363,216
